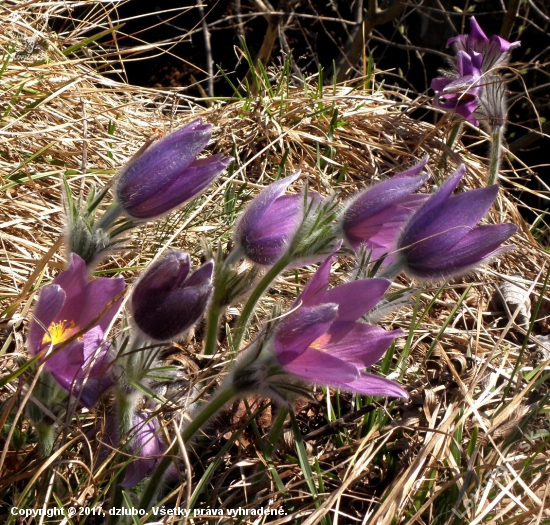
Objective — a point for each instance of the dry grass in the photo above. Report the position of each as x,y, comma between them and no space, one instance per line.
473,399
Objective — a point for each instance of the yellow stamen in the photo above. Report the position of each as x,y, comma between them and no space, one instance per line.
60,332
320,343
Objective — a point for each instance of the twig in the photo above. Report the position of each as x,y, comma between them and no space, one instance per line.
529,138
208,51
355,47
509,19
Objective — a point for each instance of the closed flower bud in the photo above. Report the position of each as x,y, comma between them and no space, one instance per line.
270,222
374,218
442,240
168,300
168,174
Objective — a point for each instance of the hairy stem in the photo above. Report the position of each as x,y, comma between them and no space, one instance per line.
46,437
212,322
496,154
248,308
109,217
125,411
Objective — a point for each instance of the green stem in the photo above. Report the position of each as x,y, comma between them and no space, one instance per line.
109,217
46,437
392,271
154,485
212,322
125,411
496,153
275,432
261,287
450,142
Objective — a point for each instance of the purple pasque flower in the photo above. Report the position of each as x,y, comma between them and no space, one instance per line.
376,215
494,51
473,89
461,92
147,446
167,174
168,300
65,308
322,342
442,240
268,225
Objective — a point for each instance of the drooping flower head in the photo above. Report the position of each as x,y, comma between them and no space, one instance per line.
168,173
168,300
442,240
494,51
65,308
461,92
270,222
322,342
474,89
376,215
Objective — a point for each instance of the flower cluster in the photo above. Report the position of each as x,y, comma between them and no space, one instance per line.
324,338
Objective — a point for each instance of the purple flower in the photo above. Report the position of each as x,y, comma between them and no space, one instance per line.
270,222
167,300
148,448
375,216
494,51
65,308
168,174
473,89
442,240
461,94
321,341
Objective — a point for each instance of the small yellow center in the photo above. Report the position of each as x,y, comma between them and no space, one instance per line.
60,332
320,343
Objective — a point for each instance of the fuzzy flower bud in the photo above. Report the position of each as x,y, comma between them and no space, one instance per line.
442,240
376,215
168,174
167,300
270,222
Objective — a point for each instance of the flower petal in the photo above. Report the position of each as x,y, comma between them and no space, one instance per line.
318,284
454,219
190,183
46,311
372,385
93,303
266,242
300,329
354,299
364,345
472,249
161,164
380,232
321,367
260,206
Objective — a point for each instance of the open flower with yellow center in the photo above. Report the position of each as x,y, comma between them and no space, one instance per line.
322,342
75,312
